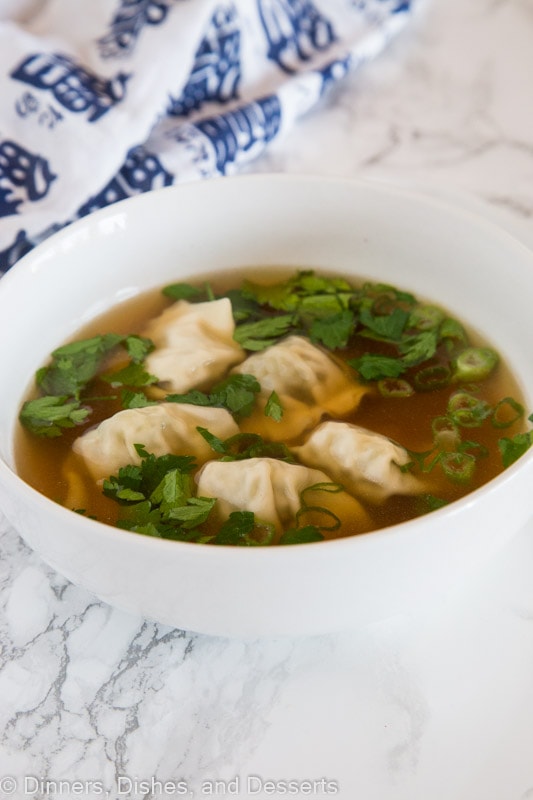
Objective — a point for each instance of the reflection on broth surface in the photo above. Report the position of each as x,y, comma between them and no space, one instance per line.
285,409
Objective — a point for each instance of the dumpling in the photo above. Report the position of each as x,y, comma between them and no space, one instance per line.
162,428
194,345
272,489
308,382
366,463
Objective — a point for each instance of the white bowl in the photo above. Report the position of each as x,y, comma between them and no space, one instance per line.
477,271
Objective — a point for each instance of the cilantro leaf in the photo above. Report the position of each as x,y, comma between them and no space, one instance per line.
334,330
138,347
243,308
156,497
262,333
373,367
512,448
194,398
305,535
131,399
236,394
172,491
214,442
194,512
71,368
74,364
388,327
183,291
246,445
241,528
418,348
133,374
289,294
49,415
273,407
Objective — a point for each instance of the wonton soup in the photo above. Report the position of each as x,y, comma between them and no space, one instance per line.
284,409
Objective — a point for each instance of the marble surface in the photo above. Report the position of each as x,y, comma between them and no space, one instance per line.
98,703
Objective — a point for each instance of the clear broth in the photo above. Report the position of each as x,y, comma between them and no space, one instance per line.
406,420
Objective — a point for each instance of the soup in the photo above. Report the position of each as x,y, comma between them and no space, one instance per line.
284,409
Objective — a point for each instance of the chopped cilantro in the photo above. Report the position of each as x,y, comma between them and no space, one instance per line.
130,399
214,442
373,367
263,333
72,367
237,394
387,327
246,445
308,297
418,348
512,448
138,347
273,407
241,528
322,305
184,291
287,295
305,535
133,374
75,364
334,330
49,415
157,496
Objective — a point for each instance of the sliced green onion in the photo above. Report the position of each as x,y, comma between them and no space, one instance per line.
468,411
475,449
506,413
426,317
424,461
323,486
452,329
334,525
475,364
458,467
389,387
435,377
446,434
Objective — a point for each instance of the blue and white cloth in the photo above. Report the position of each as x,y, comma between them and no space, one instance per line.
104,99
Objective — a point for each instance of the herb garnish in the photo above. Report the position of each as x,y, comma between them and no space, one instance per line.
50,415
237,394
157,496
512,448
246,445
73,366
157,499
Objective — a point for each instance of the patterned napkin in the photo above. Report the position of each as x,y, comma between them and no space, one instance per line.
104,99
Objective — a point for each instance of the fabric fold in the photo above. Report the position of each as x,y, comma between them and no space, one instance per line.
102,101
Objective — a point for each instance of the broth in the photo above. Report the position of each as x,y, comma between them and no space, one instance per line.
47,463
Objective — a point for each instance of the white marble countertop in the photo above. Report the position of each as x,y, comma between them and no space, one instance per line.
95,702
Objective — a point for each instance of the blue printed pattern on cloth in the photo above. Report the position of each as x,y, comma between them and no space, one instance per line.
155,92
